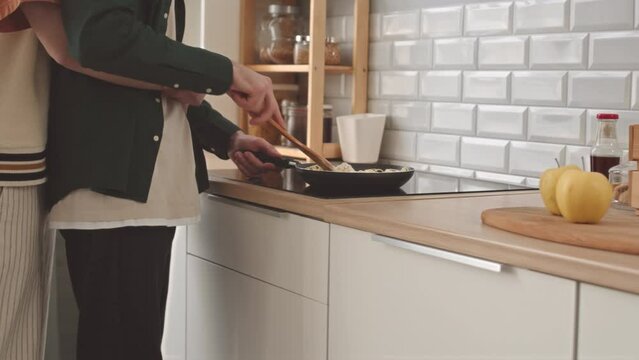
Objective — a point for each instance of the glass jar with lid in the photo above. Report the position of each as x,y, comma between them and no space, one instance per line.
606,153
302,49
333,54
279,29
296,122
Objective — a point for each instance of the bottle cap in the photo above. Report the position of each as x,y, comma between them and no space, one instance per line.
608,116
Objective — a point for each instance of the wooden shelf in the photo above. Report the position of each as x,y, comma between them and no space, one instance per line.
330,150
268,68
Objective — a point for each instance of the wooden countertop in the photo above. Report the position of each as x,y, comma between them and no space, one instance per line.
449,222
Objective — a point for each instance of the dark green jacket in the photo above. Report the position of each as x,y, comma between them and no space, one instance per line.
105,137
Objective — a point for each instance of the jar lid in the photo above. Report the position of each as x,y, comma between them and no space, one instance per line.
608,116
277,9
331,40
302,38
328,107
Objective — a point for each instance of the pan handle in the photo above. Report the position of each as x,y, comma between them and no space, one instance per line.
441,254
284,163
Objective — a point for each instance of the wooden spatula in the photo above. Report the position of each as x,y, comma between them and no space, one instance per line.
317,158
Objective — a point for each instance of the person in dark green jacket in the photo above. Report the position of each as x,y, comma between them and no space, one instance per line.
126,164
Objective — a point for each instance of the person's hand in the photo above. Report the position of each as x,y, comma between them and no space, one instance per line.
254,93
240,151
185,97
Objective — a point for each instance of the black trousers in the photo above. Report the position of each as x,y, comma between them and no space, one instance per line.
120,279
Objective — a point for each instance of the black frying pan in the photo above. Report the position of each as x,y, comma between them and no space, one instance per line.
354,181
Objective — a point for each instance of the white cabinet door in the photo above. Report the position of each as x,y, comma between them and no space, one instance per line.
388,302
280,248
231,316
608,324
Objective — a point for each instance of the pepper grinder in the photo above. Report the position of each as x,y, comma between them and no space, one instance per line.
633,154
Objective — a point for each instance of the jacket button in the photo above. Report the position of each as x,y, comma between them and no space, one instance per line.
177,86
209,90
156,138
166,15
157,100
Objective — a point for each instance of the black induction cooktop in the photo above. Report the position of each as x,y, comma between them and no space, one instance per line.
422,183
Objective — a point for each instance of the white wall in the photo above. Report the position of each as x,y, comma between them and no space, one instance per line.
496,89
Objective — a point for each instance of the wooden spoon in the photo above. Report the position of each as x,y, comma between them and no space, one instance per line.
317,158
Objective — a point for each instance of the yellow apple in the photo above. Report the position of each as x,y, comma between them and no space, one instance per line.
583,197
548,185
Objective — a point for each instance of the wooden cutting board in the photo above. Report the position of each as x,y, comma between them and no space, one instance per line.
618,231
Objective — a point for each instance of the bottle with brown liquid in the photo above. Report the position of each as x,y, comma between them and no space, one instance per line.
606,152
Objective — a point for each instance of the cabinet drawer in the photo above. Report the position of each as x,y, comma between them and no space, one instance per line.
280,248
231,316
608,324
389,301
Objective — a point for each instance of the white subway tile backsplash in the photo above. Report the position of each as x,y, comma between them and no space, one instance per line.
506,122
414,54
441,85
540,16
531,159
469,185
456,53
484,154
350,28
375,27
614,50
453,118
558,125
379,56
509,52
401,25
334,85
488,18
451,171
560,51
410,116
602,15
438,149
494,91
442,22
373,85
336,27
500,178
578,156
607,89
399,84
626,118
399,145
488,87
432,183
539,87
380,107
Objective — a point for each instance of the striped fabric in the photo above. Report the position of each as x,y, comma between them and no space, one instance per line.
22,169
24,269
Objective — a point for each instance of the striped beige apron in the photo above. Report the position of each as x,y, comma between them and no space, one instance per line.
24,273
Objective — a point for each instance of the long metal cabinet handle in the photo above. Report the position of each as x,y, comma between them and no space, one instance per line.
251,207
461,259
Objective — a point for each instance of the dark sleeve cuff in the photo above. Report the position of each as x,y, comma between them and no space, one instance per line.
212,130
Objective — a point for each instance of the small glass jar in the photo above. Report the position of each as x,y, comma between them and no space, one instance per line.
620,180
333,55
328,123
302,49
296,122
278,32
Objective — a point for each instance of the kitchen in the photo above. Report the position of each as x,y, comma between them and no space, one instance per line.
480,98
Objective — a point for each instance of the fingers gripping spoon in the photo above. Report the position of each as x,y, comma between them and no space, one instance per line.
317,158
